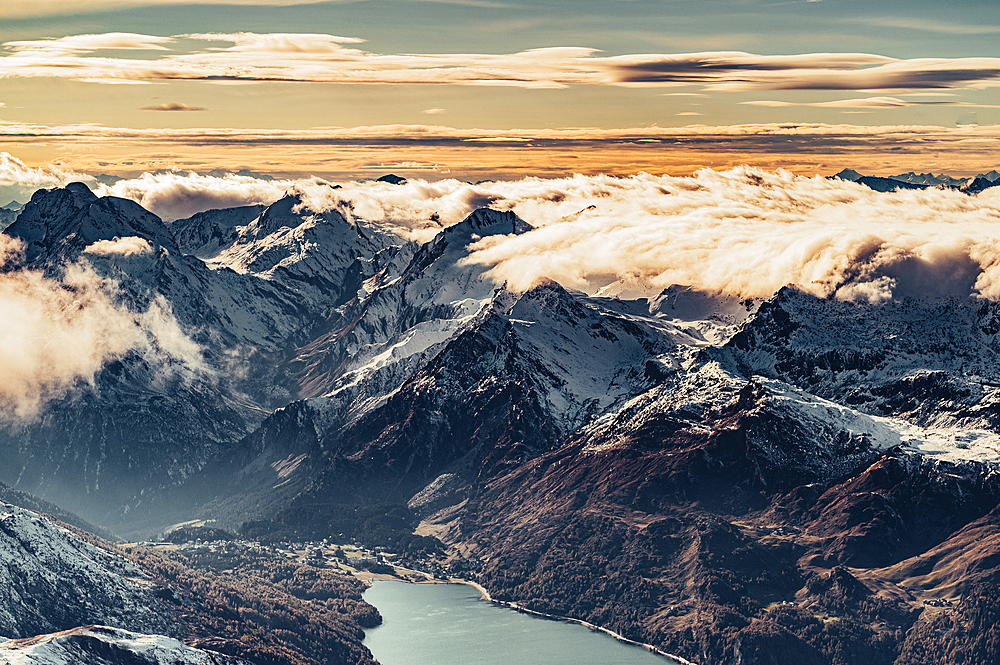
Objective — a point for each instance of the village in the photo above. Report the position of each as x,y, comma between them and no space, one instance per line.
350,558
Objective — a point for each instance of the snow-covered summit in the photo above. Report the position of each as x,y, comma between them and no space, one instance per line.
396,318
318,254
104,645
58,224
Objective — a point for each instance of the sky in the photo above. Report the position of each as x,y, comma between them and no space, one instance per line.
493,89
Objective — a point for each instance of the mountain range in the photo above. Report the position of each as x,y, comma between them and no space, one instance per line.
791,479
912,180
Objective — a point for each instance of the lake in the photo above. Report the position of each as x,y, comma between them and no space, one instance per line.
449,624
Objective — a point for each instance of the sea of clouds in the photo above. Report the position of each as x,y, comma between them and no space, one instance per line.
745,231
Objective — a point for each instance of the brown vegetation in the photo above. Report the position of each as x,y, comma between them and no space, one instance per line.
269,611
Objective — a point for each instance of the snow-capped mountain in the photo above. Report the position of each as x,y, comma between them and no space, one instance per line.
716,476
61,223
913,180
930,179
151,420
930,360
509,383
319,255
402,313
104,645
54,580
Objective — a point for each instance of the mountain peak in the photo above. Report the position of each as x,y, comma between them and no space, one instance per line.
849,174
493,222
392,178
81,193
64,221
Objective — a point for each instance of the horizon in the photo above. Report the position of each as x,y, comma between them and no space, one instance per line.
478,89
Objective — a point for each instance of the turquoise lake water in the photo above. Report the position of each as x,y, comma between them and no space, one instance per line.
449,624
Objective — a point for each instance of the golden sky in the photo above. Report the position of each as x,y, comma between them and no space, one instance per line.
477,89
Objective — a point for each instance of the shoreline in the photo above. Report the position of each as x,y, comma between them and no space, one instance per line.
553,617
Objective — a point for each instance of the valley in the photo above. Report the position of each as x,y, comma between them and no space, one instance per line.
288,399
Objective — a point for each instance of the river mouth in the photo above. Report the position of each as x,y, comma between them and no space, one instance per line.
450,624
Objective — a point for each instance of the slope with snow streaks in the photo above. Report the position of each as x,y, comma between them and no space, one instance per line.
527,371
399,321
932,361
103,645
319,255
207,233
53,580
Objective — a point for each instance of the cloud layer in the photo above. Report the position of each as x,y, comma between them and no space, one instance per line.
745,232
176,195
17,179
321,58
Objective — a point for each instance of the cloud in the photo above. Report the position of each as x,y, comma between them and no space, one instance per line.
934,26
173,106
744,231
804,135
433,111
18,180
129,246
477,154
868,103
80,44
748,232
34,8
480,154
178,195
320,58
315,58
738,71
59,331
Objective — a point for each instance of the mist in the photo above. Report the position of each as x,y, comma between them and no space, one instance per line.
175,196
59,332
